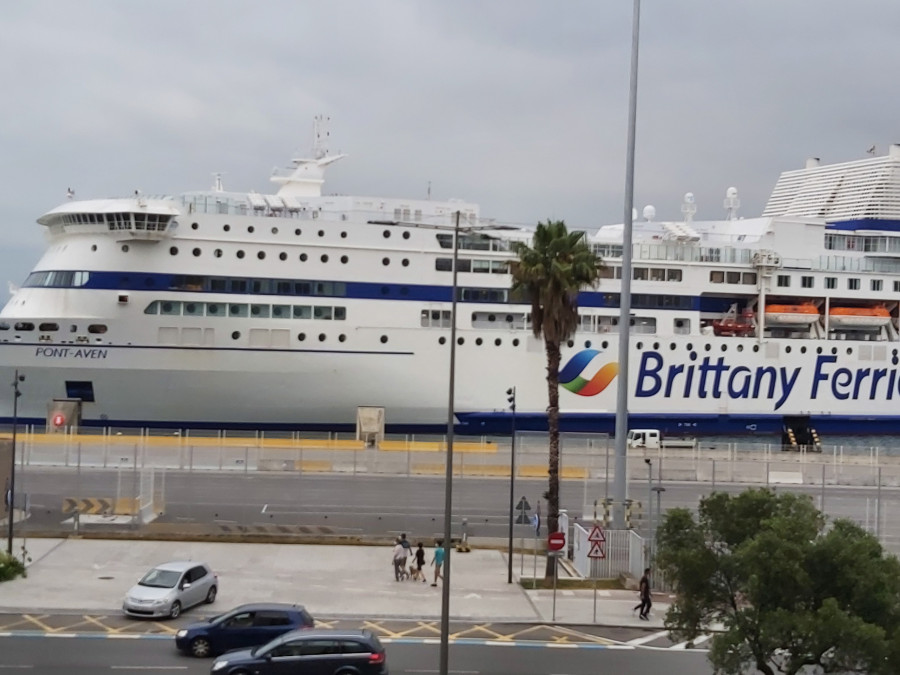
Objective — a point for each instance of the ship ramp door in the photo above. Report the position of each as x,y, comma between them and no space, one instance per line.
798,435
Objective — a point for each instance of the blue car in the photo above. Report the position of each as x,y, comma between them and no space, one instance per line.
242,627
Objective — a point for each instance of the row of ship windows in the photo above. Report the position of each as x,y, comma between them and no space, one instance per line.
118,221
257,311
50,327
831,283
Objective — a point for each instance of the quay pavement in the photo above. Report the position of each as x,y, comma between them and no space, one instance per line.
91,576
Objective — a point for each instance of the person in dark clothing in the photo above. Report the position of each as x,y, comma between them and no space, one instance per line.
420,563
644,592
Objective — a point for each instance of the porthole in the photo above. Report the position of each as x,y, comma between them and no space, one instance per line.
235,335
196,252
849,351
321,233
344,259
894,352
587,344
655,345
755,348
802,350
124,248
442,340
251,229
460,341
324,258
690,347
321,337
515,342
385,261
194,226
405,262
571,343
384,339
479,341
301,336
274,230
834,350
692,356
240,254
261,255
707,346
386,234
672,346
342,337
787,350
343,235
740,348
406,235
818,350
217,253
298,232
498,342
509,318
492,317
303,257
639,345
94,247
226,227
282,256
173,250
724,348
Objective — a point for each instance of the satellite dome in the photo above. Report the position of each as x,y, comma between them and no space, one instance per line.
689,197
649,212
731,192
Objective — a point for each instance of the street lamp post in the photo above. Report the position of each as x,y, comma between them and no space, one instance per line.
649,507
448,481
511,399
12,463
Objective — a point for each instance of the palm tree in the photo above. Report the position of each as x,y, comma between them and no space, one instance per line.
549,274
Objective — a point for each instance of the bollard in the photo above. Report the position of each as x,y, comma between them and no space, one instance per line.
76,521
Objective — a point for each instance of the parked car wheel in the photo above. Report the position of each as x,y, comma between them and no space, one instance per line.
211,596
175,612
200,647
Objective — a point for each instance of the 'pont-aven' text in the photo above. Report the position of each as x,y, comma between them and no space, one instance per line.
714,378
71,352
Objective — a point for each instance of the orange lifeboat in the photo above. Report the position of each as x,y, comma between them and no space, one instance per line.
733,324
792,315
858,317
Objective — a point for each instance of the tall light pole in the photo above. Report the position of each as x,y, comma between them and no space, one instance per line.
620,486
448,480
511,399
649,508
12,463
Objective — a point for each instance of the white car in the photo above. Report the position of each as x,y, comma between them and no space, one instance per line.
168,589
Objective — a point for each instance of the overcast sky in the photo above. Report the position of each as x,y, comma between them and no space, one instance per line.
518,105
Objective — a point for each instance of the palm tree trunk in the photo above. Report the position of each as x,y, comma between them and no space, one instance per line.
553,358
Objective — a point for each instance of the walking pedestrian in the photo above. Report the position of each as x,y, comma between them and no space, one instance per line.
420,563
438,560
644,592
404,542
399,556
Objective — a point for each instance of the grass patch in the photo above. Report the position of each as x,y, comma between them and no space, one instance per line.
10,567
573,584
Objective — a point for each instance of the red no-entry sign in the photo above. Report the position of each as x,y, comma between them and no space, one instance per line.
556,541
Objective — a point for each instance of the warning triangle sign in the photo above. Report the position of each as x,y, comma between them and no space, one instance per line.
597,535
596,551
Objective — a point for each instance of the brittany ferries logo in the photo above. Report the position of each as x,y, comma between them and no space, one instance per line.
570,375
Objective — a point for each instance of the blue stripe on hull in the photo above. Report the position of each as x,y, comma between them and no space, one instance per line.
500,424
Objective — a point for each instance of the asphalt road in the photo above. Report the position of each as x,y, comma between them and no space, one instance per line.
90,656
385,504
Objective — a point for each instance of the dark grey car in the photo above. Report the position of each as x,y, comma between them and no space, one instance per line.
315,651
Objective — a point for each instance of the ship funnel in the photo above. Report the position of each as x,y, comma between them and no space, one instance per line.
894,151
812,162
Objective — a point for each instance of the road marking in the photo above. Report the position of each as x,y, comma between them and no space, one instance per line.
566,645
647,638
13,667
148,667
691,643
265,506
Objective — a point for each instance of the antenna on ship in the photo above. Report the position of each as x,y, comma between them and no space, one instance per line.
871,150
732,203
429,190
217,184
70,193
321,134
688,207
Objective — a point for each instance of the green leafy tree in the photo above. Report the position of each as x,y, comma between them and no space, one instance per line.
787,589
549,274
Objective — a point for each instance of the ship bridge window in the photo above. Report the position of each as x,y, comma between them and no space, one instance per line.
152,308
784,280
4,326
481,266
281,311
876,284
97,328
170,308
806,282
215,309
640,274
831,283
302,312
193,309
608,272
24,326
260,311
443,264
483,294
853,284
732,277
717,277
49,327
746,277
322,312
673,275
237,310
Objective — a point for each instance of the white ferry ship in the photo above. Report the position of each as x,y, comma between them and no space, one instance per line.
289,309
